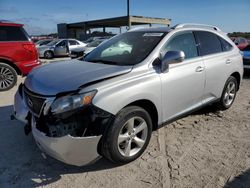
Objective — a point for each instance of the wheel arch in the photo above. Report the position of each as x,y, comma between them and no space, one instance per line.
12,64
49,51
237,76
150,107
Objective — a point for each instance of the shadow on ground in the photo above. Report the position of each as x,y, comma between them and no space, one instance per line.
241,181
21,163
246,74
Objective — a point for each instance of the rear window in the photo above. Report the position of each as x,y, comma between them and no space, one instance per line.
73,42
11,33
209,43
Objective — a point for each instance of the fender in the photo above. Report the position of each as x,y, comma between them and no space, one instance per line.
130,89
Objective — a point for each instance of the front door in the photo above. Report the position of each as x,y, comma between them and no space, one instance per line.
61,48
183,85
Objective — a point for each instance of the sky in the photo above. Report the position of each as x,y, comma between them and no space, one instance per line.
42,16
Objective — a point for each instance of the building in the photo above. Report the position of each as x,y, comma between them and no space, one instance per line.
82,30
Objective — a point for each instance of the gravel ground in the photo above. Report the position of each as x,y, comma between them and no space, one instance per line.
204,149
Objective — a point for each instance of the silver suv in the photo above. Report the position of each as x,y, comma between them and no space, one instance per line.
109,103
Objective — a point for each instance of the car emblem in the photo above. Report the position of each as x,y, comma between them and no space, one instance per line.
30,103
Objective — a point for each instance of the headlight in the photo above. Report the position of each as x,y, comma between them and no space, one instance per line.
71,102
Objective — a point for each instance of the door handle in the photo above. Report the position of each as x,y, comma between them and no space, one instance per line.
228,61
199,69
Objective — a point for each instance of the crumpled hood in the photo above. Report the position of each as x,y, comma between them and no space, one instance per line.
58,77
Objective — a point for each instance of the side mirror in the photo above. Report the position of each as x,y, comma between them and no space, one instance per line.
171,57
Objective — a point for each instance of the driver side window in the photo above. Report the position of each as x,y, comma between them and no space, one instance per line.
182,42
63,43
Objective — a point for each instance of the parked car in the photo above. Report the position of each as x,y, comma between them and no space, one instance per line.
18,55
91,39
109,104
87,49
43,42
241,42
59,47
246,57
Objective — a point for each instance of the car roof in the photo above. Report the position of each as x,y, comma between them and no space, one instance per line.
191,26
152,29
8,23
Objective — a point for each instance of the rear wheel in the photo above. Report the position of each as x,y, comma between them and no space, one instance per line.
48,54
8,77
127,138
228,94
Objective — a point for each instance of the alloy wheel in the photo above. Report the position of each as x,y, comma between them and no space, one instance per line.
6,78
132,136
230,93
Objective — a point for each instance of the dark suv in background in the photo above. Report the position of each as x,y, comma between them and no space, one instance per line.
18,54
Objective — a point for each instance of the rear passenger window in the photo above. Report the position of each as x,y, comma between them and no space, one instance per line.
72,42
182,42
226,46
12,33
209,43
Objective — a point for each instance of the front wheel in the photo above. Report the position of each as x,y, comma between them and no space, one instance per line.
8,77
128,136
228,94
48,54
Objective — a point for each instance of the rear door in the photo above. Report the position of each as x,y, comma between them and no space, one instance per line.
183,85
73,44
15,44
217,63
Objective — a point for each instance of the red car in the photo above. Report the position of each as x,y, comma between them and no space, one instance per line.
241,42
18,54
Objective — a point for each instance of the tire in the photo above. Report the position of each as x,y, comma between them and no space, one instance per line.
48,54
228,94
132,142
8,77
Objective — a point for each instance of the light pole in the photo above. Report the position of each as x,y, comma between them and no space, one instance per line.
128,14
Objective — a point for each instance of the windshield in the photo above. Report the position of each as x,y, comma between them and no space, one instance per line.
52,43
126,49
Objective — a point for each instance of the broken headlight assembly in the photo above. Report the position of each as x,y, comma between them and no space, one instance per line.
71,102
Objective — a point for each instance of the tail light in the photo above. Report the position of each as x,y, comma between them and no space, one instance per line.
30,48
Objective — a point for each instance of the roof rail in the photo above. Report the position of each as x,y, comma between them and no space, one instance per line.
186,25
137,28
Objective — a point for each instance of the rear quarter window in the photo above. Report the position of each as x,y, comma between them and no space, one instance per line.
12,33
226,46
209,43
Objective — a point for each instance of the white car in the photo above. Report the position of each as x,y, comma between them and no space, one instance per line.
59,47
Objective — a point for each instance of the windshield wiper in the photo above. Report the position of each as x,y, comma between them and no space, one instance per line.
103,61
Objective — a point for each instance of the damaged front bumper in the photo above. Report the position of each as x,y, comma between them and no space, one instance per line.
69,149
76,151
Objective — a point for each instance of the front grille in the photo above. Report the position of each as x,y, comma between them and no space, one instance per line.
34,101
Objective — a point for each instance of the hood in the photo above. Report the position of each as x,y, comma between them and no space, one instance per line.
65,76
